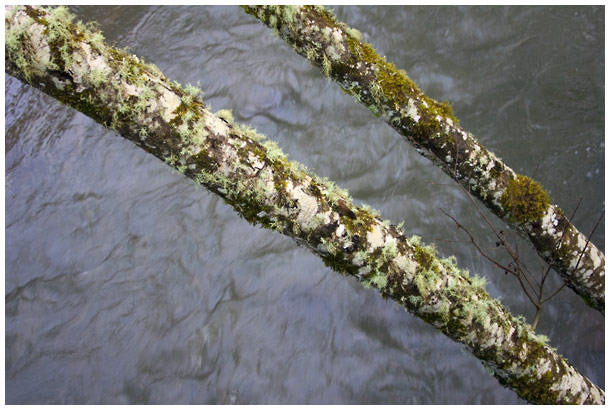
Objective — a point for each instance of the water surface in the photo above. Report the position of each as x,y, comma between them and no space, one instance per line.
126,283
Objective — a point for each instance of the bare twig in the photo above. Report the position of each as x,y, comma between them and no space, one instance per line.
533,289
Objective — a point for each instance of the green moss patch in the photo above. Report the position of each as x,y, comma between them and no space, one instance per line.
525,199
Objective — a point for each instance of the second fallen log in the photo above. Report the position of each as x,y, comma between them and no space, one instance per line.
338,50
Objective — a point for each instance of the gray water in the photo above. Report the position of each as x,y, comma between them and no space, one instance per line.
126,283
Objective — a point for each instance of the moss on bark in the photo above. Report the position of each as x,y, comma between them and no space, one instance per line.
525,200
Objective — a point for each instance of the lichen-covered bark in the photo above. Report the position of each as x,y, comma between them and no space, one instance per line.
72,63
431,127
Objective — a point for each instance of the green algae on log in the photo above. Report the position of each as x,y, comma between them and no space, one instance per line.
70,62
315,33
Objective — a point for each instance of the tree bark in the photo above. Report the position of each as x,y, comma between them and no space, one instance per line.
430,126
73,64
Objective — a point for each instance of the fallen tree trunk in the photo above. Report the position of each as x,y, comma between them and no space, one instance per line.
73,64
430,126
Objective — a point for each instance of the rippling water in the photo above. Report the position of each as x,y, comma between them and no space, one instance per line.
126,283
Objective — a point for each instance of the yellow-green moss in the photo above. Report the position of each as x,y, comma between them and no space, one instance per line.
525,199
358,224
395,83
424,257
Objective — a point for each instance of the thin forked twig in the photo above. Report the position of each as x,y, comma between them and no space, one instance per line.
516,267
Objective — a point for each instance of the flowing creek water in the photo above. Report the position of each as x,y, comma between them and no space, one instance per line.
126,283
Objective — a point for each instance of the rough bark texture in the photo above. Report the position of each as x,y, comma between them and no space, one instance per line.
74,65
431,127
